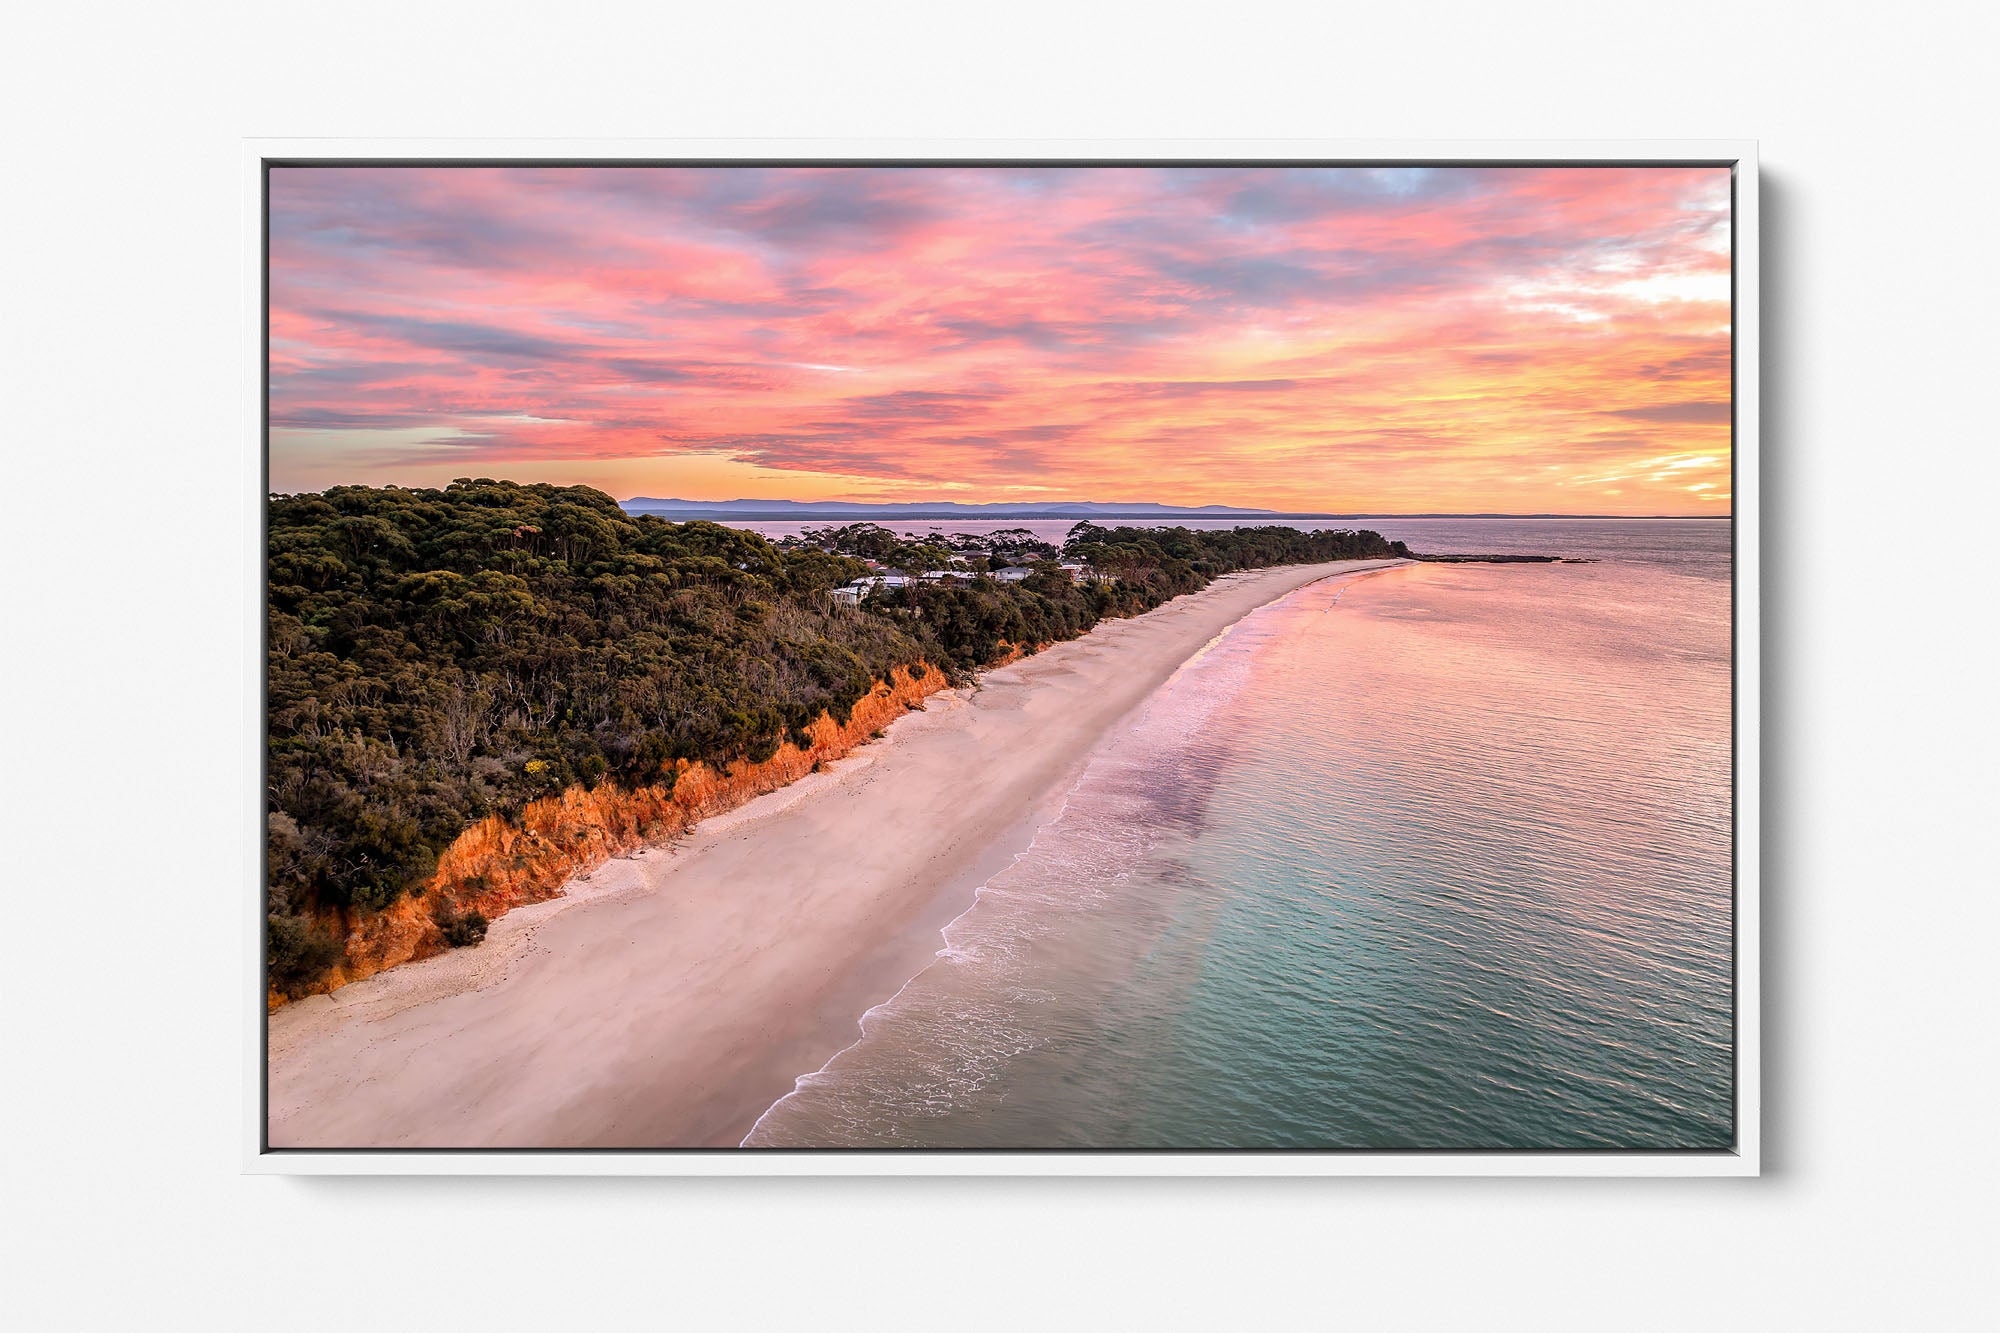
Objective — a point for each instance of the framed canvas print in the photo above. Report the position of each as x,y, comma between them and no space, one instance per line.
984,658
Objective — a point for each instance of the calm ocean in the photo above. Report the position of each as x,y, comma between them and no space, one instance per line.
1432,858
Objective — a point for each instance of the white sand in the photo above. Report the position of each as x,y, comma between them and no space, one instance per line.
672,996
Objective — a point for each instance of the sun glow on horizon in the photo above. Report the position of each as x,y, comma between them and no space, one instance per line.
1328,340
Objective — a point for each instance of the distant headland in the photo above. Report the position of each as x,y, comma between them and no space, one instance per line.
782,510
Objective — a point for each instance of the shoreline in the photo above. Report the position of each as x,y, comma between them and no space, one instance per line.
672,996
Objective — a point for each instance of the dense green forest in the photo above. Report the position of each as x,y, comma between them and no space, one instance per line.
976,552
439,655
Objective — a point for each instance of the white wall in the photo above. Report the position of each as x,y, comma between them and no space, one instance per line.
119,980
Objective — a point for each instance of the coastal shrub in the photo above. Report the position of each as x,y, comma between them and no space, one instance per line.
298,952
438,656
459,928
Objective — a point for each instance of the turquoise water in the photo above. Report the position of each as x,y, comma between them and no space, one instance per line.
1433,858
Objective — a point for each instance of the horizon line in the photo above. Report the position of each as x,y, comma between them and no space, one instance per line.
1170,511
741,507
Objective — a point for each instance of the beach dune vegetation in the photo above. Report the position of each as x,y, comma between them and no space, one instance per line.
438,656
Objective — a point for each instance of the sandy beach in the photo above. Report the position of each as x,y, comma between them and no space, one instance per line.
670,997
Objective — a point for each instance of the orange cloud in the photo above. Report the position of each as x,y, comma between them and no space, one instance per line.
1308,339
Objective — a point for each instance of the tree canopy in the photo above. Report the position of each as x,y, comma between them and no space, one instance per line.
435,656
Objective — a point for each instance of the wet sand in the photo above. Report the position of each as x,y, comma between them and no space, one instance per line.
670,997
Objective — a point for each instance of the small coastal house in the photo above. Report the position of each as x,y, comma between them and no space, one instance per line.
850,594
1012,574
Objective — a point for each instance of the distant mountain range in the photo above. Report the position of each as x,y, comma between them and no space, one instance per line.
848,509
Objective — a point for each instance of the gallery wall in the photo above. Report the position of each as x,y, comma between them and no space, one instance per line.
129,763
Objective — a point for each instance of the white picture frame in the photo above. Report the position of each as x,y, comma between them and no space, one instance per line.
1742,1160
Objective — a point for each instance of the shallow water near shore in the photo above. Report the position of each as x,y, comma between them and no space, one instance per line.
1431,858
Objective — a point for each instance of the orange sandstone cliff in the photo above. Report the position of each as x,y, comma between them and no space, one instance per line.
499,864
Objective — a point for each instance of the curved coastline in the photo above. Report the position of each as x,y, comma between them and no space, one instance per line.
969,905
672,997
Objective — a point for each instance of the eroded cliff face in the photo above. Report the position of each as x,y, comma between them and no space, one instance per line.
500,864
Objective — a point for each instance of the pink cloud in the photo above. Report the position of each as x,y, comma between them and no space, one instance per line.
1245,335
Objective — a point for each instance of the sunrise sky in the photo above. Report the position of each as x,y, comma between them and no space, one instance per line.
1345,340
